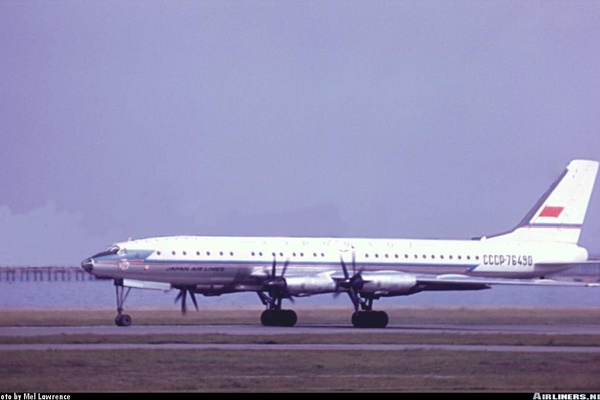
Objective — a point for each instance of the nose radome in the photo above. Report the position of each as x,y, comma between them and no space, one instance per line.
87,264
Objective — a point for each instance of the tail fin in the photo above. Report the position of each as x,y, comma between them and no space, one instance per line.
559,214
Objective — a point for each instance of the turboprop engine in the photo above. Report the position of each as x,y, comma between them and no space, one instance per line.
306,286
388,283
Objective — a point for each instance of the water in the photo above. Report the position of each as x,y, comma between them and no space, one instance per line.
94,294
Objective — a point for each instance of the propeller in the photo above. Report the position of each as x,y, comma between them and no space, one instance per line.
276,285
352,283
182,295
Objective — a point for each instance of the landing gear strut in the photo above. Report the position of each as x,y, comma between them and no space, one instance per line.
121,319
274,315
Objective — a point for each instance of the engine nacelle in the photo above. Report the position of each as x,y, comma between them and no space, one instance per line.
306,286
388,283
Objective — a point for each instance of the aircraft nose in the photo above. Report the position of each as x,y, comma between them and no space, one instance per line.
87,264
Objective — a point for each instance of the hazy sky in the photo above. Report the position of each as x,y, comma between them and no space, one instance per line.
426,119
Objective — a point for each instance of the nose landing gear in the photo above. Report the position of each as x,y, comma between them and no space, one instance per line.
121,319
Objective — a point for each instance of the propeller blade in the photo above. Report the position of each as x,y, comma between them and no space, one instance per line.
351,283
354,298
273,268
183,297
193,296
285,267
344,268
178,296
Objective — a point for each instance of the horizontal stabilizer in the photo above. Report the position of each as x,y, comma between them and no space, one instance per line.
559,266
466,281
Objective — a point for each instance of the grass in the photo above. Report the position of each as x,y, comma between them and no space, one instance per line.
264,371
302,371
500,339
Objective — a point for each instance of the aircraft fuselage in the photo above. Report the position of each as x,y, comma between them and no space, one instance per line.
225,263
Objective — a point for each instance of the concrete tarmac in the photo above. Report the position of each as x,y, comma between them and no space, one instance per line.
323,329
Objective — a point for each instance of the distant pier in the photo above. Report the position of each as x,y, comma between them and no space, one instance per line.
36,274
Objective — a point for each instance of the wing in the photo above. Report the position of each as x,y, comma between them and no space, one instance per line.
463,282
394,283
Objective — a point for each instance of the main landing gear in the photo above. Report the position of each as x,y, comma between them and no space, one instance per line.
274,315
276,290
366,317
121,319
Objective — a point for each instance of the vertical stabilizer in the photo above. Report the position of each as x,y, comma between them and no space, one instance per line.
559,214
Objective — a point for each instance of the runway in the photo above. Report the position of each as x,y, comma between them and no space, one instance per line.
329,330
323,329
299,347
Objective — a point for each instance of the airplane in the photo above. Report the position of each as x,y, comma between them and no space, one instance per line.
366,269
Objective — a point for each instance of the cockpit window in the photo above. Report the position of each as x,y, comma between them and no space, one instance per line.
114,249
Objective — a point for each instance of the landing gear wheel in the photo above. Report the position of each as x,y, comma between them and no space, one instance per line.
382,319
357,320
123,320
274,315
370,319
289,318
278,318
267,318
